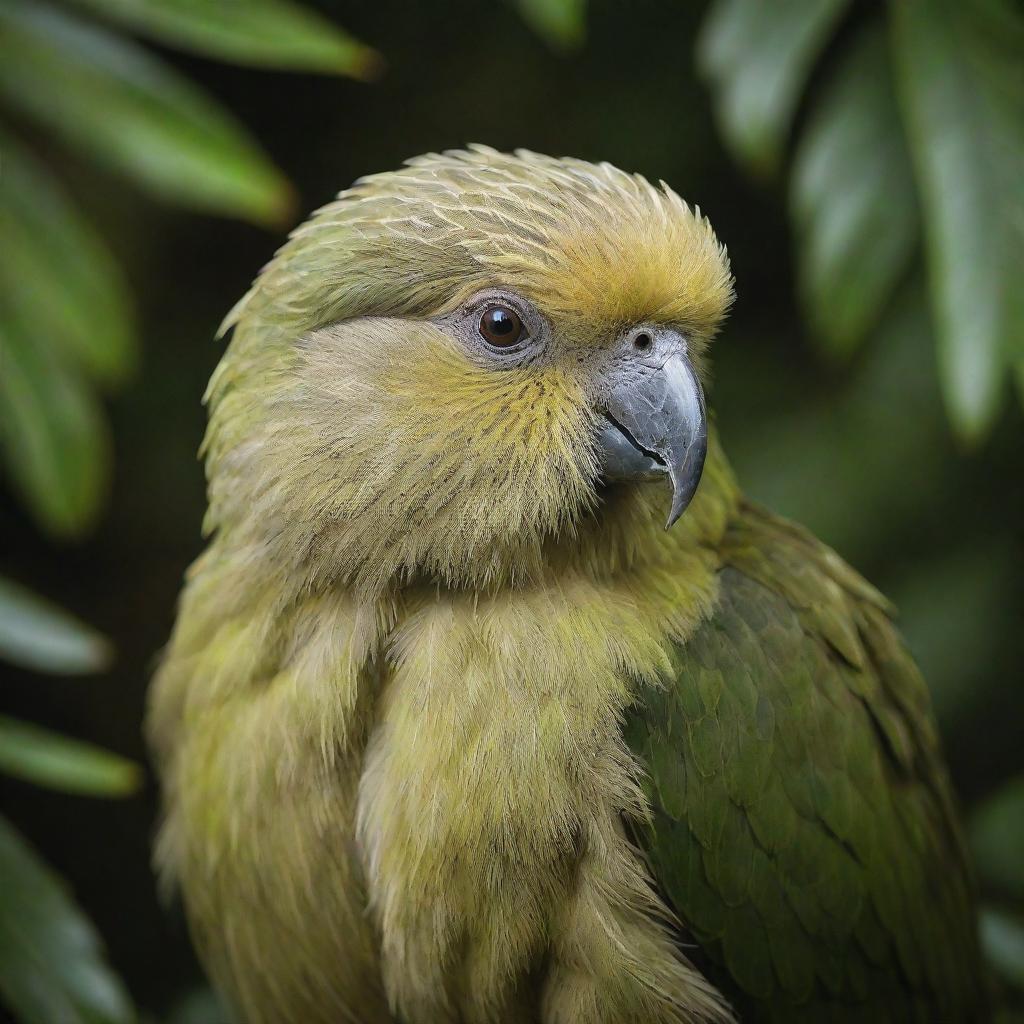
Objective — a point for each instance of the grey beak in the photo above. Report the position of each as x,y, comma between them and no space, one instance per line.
655,425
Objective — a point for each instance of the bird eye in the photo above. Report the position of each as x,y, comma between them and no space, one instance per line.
501,326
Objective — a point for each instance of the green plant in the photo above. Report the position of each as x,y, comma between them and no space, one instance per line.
52,966
68,331
67,338
912,145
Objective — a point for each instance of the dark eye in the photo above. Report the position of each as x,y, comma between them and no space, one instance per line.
501,326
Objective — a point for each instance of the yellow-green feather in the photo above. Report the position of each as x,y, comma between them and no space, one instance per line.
429,787
389,722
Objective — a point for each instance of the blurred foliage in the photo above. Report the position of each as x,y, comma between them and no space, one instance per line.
914,129
67,321
201,1006
997,841
67,335
38,636
52,967
559,22
896,135
47,759
1003,936
997,835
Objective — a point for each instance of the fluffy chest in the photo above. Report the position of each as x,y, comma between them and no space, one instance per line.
495,784
494,734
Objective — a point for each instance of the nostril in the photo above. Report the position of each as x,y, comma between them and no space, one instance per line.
642,342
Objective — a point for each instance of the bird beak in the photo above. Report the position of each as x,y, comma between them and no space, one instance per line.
655,425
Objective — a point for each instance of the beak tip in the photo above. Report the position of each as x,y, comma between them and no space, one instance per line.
686,479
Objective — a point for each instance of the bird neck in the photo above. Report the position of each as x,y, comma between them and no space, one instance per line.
627,536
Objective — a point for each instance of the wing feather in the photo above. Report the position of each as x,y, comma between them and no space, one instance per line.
803,826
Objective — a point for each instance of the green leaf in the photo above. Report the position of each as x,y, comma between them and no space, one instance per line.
997,840
757,56
52,966
1002,937
57,762
64,317
58,268
961,84
853,199
560,23
118,104
264,33
53,436
37,635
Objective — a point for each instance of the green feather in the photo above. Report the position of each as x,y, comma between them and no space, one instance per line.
813,848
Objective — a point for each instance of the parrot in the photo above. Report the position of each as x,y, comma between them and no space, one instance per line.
492,698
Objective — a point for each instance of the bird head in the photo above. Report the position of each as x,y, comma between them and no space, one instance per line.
443,370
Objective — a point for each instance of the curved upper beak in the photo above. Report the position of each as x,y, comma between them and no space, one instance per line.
655,425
